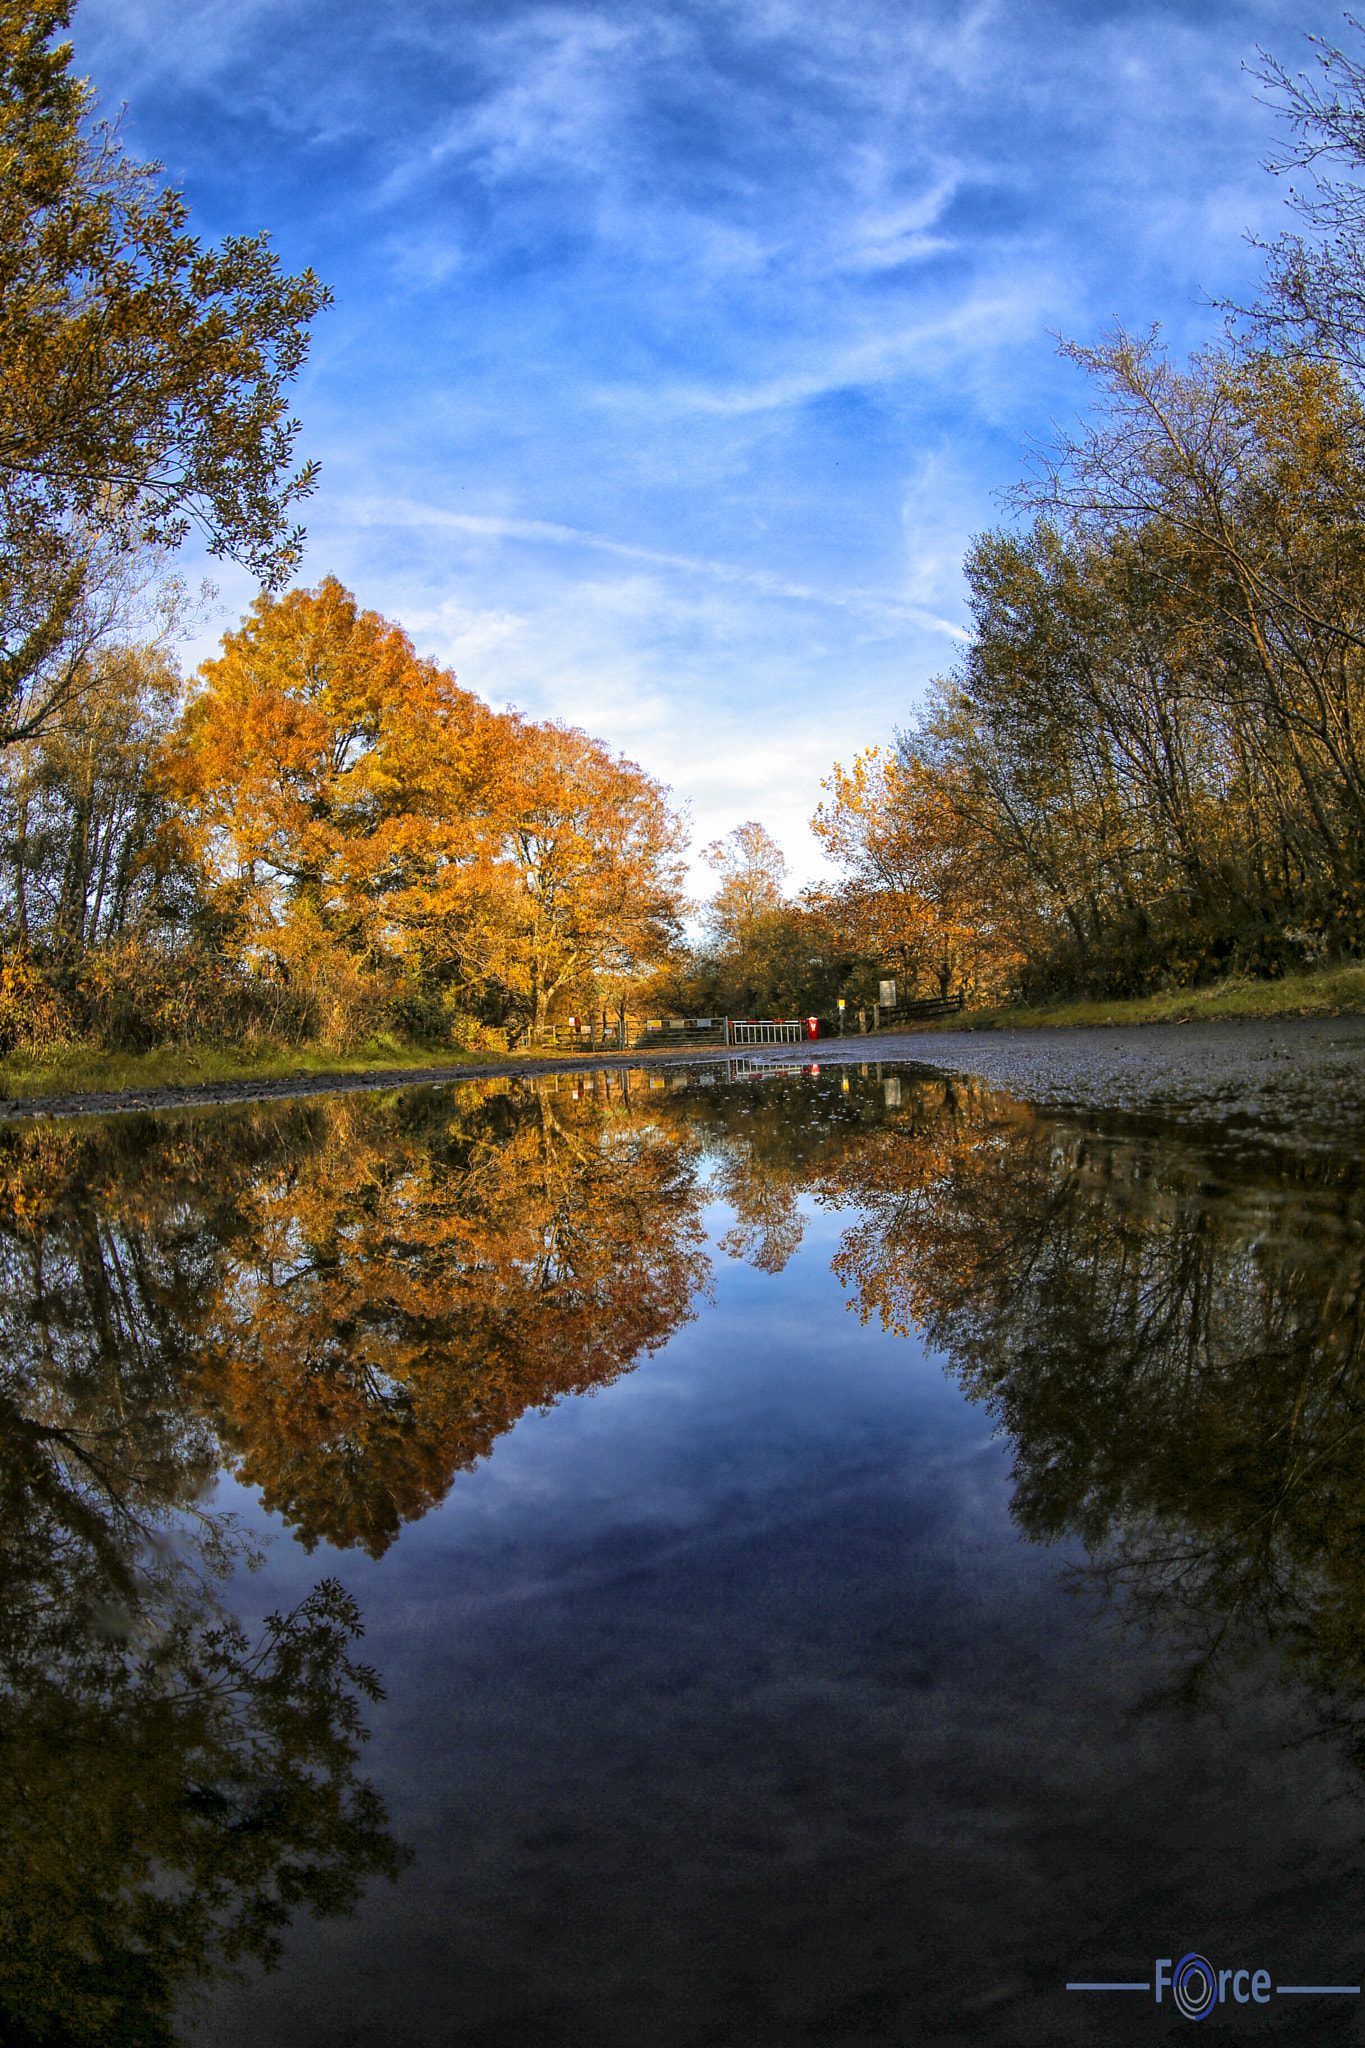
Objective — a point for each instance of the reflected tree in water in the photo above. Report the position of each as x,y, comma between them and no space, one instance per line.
347,1303
171,1791
400,1292
1172,1335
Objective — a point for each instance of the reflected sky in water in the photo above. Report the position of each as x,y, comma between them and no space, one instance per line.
841,1555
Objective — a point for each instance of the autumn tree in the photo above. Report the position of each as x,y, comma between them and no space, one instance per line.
82,826
144,375
1237,485
897,828
590,851
1147,766
751,868
333,789
1147,763
757,944
1314,303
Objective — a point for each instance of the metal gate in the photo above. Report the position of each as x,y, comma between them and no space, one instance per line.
767,1030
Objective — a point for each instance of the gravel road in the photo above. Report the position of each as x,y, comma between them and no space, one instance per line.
1299,1077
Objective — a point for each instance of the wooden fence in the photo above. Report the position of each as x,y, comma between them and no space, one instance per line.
928,1006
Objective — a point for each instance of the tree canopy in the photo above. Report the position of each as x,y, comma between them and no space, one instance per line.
144,375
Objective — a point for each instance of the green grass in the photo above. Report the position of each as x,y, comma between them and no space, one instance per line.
1323,991
82,1070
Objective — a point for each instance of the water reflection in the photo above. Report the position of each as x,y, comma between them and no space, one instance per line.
170,1790
1173,1337
347,1303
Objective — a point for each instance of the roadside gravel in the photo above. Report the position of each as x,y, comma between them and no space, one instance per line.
1301,1078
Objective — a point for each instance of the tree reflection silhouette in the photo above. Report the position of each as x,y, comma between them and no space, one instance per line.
1173,1337
170,1791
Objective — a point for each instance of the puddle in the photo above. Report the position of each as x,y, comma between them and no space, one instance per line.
841,1553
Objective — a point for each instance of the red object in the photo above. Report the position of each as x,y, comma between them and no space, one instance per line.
812,1027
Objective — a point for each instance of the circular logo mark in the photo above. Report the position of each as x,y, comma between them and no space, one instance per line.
1194,1986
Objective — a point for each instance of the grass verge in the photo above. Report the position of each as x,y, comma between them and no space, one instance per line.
82,1070
1324,991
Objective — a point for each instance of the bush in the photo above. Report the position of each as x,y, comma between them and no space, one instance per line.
132,997
32,1014
1170,947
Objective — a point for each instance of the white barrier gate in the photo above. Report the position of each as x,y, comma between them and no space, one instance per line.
767,1030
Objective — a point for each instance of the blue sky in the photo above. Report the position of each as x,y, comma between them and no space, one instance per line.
679,349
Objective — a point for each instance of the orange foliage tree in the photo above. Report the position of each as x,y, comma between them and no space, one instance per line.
359,819
298,758
896,826
587,854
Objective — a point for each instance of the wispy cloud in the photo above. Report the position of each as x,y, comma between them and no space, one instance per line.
490,526
680,347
